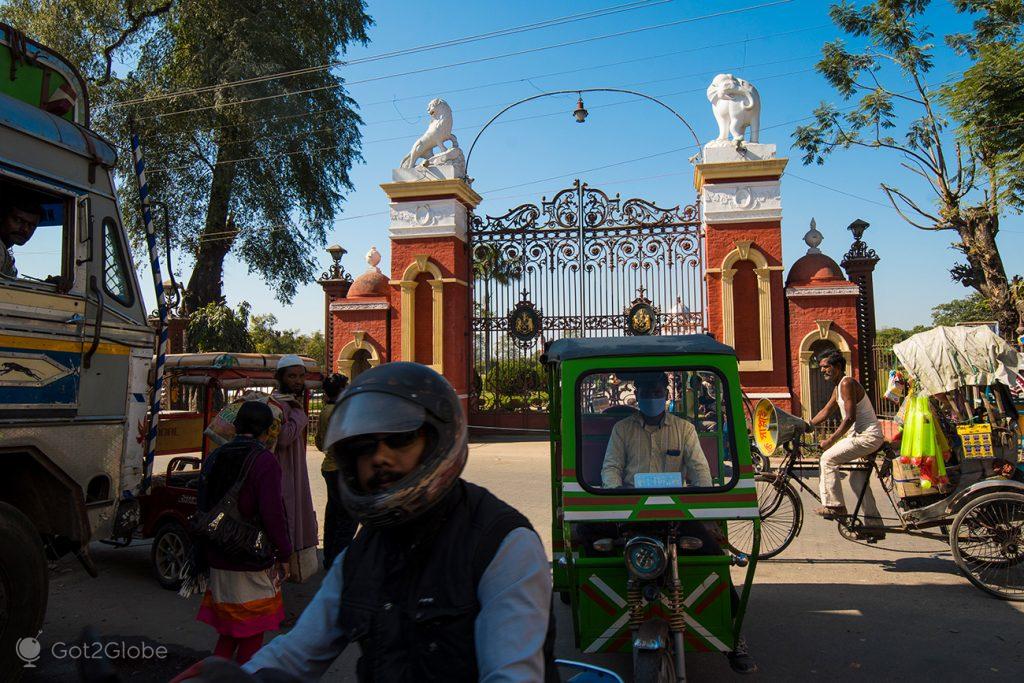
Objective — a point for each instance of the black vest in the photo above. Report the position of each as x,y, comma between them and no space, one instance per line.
409,595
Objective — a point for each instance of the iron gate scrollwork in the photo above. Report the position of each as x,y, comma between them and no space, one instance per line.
582,264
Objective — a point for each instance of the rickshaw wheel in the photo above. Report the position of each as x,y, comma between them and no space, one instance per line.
653,666
782,516
987,540
171,549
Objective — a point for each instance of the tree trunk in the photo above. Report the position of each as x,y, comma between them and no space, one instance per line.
206,285
978,234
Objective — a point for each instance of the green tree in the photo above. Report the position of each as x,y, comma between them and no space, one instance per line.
974,308
970,180
256,169
216,327
267,338
314,346
890,336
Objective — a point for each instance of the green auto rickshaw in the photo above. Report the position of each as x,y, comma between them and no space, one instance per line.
641,497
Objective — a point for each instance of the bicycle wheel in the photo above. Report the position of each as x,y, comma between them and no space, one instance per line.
782,516
987,540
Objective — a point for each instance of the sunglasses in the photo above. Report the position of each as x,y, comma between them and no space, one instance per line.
368,444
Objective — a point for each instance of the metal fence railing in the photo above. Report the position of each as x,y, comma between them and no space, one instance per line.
883,360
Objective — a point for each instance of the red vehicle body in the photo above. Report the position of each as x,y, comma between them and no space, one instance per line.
206,382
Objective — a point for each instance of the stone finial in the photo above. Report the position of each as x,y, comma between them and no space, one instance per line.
373,258
813,238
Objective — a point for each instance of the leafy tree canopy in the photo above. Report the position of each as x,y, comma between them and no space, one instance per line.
960,134
255,169
973,308
215,327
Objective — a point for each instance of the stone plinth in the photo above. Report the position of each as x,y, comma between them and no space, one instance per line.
742,211
430,273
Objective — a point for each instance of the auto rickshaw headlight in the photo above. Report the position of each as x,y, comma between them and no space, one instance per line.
646,558
603,545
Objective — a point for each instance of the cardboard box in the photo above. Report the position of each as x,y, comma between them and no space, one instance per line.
907,479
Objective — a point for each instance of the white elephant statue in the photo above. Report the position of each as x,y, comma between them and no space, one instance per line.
737,106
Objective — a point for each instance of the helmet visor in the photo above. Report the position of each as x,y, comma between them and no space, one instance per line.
372,412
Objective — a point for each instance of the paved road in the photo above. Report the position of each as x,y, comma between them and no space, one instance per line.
827,609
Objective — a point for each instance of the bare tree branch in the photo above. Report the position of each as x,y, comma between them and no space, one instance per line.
892,193
135,23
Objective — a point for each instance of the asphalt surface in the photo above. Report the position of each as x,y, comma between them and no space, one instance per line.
826,609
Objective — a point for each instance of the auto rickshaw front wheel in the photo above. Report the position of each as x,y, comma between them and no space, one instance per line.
171,550
987,540
654,666
24,582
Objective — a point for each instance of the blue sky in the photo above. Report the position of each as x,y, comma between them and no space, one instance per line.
537,149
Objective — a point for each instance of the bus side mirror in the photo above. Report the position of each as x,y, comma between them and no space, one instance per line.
85,228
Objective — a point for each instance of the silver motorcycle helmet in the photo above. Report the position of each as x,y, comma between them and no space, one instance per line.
389,399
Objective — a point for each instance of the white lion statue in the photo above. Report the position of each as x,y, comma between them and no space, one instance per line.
438,132
737,106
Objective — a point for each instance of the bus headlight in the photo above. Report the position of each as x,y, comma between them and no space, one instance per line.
646,558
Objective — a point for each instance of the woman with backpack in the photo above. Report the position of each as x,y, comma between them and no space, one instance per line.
242,534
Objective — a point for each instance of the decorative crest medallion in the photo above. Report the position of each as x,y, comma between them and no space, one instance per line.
524,322
642,318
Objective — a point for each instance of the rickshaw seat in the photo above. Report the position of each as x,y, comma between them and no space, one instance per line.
595,430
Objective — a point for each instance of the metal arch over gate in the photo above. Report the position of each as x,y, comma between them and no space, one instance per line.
582,264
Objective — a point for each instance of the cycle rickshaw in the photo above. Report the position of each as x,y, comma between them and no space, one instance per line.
979,512
627,560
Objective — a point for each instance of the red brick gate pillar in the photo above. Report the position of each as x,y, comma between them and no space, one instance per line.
430,273
740,192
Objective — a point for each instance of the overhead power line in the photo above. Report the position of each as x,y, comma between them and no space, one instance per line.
274,117
494,106
478,60
471,129
572,18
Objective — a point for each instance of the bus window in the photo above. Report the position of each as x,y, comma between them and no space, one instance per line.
34,229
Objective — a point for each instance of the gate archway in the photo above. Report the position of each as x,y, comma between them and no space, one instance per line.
582,264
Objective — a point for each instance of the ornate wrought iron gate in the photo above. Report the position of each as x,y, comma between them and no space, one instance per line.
580,265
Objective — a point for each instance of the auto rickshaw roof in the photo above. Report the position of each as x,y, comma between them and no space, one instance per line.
659,345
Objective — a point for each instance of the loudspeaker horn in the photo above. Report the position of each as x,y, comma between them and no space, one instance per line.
774,427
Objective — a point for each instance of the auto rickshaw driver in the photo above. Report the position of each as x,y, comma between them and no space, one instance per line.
653,440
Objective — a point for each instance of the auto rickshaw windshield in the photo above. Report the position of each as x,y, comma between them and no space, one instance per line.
655,429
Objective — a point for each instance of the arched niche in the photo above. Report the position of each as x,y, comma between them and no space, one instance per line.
410,280
823,333
744,251
356,351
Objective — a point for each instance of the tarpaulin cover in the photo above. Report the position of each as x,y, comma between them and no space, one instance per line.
948,358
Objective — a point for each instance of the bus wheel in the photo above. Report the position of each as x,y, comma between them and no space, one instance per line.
24,582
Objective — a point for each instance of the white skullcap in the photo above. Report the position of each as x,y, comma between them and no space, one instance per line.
288,361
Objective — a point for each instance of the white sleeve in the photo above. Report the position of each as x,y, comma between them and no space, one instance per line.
309,649
515,605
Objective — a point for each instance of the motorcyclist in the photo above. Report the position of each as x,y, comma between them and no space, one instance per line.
444,581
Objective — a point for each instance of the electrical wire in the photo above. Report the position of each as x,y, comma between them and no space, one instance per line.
592,14
498,105
288,93
491,84
257,157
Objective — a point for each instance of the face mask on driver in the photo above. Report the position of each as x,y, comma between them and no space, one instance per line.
651,407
